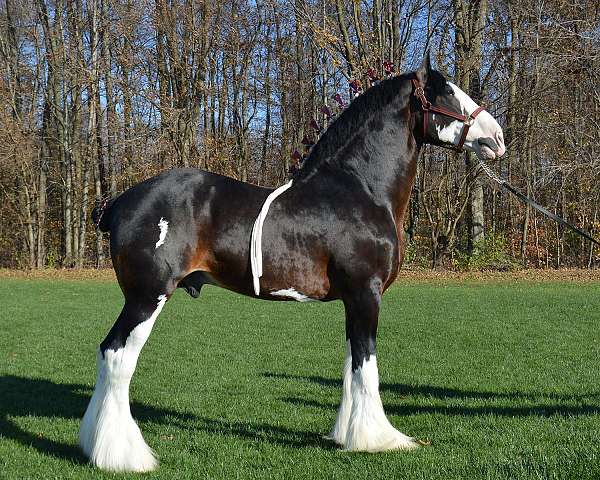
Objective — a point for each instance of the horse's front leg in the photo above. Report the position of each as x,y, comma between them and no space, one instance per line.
367,428
340,429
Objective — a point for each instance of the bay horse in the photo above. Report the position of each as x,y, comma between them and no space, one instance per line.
335,234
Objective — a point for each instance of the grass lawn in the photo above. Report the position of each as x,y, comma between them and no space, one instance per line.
502,377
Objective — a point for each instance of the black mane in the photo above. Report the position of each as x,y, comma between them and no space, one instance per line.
360,110
351,119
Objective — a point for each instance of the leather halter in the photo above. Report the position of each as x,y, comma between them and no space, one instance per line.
427,107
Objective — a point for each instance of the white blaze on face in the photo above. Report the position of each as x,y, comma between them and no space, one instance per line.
163,225
484,137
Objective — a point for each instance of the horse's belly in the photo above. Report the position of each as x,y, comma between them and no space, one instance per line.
298,277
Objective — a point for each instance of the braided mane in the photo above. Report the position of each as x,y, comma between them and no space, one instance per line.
360,110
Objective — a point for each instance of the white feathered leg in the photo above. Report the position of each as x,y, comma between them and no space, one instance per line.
108,434
368,428
338,433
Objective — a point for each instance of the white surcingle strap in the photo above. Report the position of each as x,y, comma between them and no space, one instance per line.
256,238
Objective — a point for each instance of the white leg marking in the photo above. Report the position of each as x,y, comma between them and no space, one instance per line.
369,430
108,434
164,227
340,429
292,293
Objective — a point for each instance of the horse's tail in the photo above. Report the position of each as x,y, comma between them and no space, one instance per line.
101,214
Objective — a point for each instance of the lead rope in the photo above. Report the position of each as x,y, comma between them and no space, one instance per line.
256,237
524,198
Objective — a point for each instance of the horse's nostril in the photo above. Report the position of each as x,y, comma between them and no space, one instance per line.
500,141
500,138
488,142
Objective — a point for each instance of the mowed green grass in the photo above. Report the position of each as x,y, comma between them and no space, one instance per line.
503,378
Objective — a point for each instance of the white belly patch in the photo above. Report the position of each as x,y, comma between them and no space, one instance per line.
293,294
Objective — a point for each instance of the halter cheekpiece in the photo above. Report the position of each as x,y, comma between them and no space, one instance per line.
427,107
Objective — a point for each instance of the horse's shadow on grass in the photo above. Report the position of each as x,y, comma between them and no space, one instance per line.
264,432
22,397
537,404
39,397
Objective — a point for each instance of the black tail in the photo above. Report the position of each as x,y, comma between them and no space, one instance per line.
101,214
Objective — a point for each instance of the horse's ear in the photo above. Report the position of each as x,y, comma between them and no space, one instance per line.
423,71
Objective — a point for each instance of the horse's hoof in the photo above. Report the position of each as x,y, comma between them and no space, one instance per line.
382,441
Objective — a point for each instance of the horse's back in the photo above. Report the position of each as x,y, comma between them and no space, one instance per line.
172,224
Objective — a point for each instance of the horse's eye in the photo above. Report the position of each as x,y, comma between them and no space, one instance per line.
449,90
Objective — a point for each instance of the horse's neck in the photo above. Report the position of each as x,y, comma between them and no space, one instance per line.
384,161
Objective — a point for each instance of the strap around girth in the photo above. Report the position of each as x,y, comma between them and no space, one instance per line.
256,238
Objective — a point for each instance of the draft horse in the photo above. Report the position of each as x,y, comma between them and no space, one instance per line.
335,234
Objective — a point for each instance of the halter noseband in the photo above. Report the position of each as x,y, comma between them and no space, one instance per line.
427,107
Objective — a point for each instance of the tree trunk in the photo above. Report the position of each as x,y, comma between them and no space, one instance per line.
469,18
267,133
111,133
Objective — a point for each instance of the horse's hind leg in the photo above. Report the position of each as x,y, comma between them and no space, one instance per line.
108,435
368,429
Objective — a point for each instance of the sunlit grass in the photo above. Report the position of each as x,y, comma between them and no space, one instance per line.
502,377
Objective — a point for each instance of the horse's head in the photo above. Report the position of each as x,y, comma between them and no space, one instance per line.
452,118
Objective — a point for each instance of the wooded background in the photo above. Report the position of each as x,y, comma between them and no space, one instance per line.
97,95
